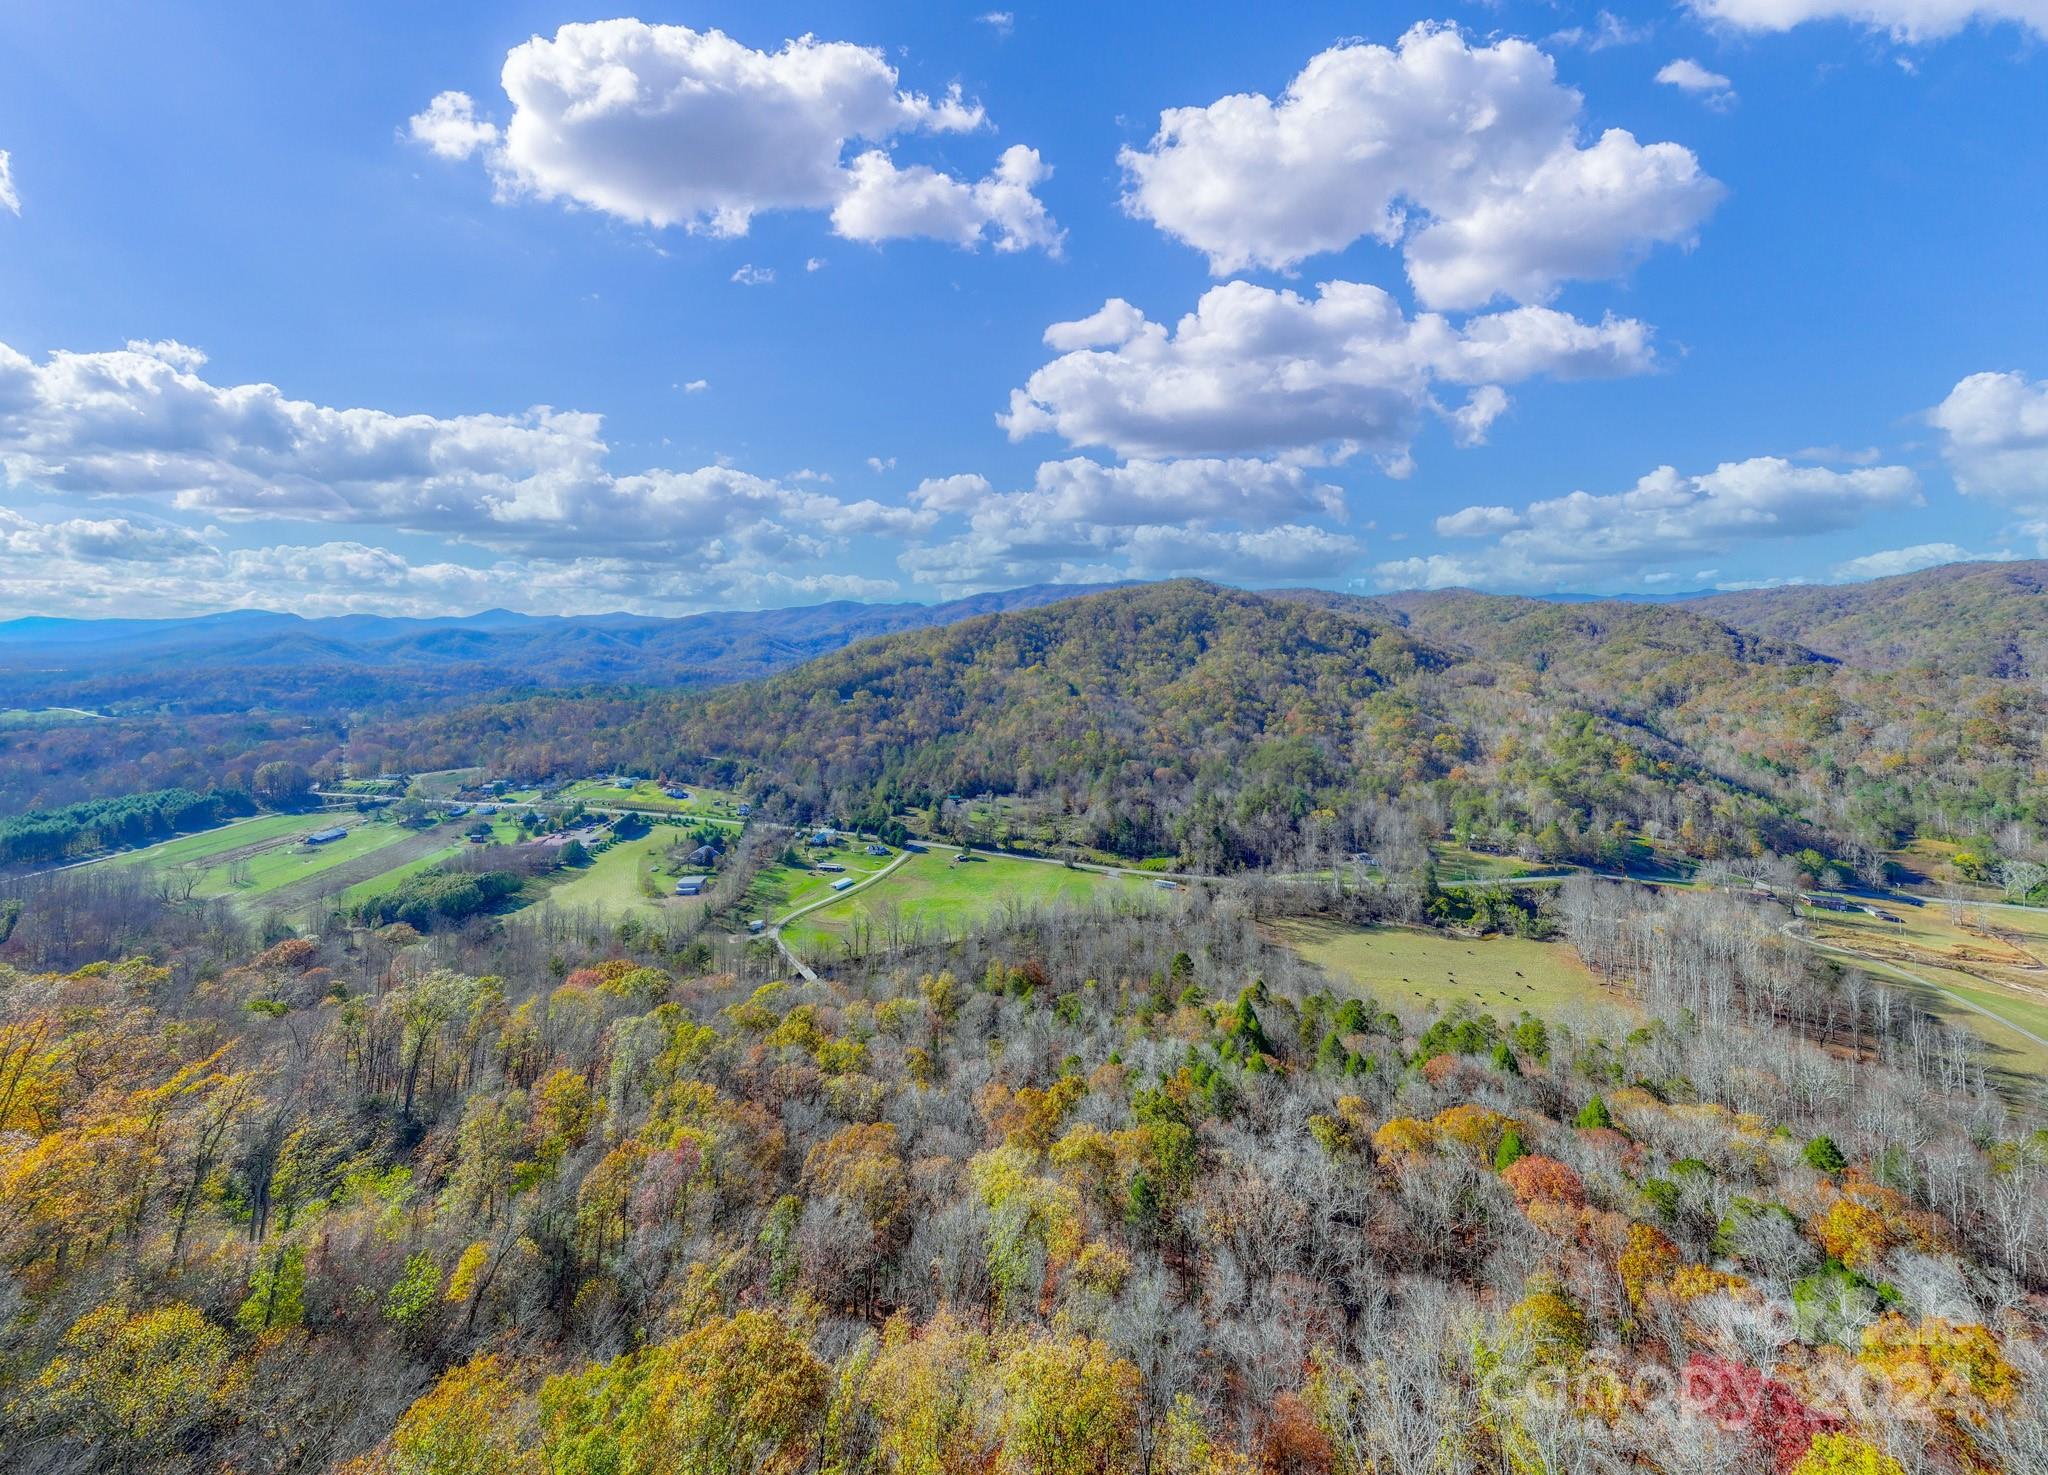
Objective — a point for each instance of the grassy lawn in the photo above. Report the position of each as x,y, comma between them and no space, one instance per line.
704,803
935,892
780,889
1503,975
1455,863
46,716
443,782
255,857
612,881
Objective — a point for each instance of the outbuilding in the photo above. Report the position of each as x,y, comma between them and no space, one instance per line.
326,836
690,886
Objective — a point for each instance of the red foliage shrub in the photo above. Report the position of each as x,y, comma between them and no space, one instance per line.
1739,1397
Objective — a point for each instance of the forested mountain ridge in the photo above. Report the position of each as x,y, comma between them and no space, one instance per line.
296,660
202,702
1983,619
1230,728
1131,1190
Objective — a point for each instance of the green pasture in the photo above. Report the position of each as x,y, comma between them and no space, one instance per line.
934,892
1503,975
702,803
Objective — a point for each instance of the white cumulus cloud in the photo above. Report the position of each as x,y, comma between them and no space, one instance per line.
1687,75
119,566
1469,158
1891,561
1584,537
1994,430
10,198
141,426
1083,521
1255,370
450,128
886,203
666,126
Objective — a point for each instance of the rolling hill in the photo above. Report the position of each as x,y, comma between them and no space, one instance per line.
1983,619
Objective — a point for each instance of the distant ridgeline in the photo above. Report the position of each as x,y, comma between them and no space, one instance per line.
56,835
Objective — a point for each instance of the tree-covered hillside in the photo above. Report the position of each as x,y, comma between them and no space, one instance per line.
1110,1195
1984,619
1232,729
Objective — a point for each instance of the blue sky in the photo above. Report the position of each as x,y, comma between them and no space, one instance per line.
828,319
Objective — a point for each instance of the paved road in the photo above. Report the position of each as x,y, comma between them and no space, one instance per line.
774,929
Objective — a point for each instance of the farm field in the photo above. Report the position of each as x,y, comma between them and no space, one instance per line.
1503,975
934,892
46,716
267,872
503,832
1456,863
265,858
443,782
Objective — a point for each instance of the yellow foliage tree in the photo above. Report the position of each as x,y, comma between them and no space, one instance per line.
740,1395
472,1422
1958,1368
1070,1407
134,1386
1402,1141
1475,1127
927,1392
1845,1454
1647,1260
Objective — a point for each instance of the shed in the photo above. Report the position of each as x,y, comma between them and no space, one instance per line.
690,886
326,836
843,882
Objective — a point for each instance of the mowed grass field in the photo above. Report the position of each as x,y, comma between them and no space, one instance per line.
1455,863
1988,967
289,861
205,845
612,881
702,803
934,892
1501,975
47,716
780,889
